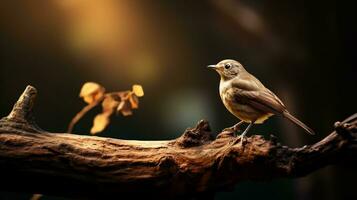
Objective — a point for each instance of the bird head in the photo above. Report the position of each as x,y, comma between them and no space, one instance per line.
227,69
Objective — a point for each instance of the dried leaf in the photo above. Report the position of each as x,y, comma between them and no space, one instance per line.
123,102
138,90
120,106
109,103
89,88
100,122
88,99
125,108
91,92
134,101
126,112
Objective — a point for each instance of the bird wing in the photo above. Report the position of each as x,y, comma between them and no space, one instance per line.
275,97
263,100
254,94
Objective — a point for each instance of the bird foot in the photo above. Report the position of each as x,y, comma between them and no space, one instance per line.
242,139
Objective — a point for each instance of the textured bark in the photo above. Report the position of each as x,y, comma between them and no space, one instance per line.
193,165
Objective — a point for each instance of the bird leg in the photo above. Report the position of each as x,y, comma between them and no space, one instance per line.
242,136
235,128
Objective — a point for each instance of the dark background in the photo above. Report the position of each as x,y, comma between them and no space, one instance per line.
304,51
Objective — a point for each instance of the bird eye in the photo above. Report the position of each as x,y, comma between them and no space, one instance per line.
227,66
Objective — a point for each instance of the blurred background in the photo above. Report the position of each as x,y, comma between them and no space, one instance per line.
301,50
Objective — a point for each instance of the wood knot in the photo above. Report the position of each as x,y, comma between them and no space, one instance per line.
168,164
348,127
22,110
197,136
20,117
342,129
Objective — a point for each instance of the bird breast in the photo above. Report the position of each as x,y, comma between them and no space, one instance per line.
242,111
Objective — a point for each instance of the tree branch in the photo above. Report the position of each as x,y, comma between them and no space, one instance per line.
36,161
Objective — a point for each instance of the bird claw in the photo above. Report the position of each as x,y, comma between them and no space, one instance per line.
241,138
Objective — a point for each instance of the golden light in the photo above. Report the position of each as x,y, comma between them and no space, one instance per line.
112,34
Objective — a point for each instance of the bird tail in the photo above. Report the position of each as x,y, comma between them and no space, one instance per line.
298,122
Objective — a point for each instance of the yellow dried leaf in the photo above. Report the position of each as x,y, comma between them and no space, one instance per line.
125,108
120,106
138,90
99,94
89,88
126,112
134,101
109,103
91,92
88,99
100,122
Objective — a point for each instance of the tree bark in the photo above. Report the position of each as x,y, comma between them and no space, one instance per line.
194,165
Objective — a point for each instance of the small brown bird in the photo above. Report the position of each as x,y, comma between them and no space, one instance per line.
248,99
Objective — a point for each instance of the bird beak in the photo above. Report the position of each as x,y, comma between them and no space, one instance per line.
212,67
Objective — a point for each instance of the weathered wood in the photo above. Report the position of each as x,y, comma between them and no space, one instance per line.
197,163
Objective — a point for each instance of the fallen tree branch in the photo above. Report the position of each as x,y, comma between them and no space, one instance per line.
36,161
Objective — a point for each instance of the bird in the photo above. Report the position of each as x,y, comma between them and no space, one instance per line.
248,99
